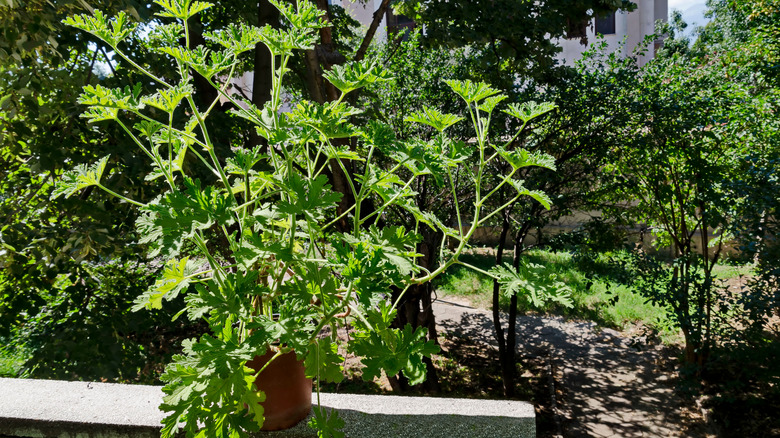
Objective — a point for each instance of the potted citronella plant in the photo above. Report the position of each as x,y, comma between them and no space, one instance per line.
291,268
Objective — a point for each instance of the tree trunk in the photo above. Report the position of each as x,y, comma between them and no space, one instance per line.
262,81
416,309
506,369
205,93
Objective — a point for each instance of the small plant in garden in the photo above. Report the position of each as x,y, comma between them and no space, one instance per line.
262,251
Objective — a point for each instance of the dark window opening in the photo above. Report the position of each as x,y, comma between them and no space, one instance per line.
605,24
398,23
577,29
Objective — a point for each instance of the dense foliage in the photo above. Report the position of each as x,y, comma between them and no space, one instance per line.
257,251
685,148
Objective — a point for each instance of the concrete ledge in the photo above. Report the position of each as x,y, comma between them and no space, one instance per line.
49,408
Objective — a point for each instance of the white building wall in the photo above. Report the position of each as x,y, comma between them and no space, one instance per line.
631,26
364,14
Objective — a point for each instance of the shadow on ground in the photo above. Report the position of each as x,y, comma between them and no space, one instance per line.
603,385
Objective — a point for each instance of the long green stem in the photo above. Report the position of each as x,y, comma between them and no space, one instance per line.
390,202
141,69
476,269
496,211
498,186
124,198
155,157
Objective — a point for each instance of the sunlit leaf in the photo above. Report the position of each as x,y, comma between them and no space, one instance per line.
81,177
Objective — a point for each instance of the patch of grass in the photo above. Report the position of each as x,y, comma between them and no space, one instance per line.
732,271
603,298
11,361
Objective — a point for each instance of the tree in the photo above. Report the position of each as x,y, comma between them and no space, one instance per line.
514,39
55,253
681,151
585,125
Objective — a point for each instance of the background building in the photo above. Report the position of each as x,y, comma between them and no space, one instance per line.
631,26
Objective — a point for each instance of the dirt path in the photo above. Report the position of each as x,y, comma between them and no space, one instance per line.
604,385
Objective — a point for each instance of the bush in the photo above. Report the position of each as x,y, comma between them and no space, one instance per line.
85,330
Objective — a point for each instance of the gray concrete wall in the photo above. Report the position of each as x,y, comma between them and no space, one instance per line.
50,408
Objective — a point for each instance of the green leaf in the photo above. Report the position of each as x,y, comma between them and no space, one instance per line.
532,282
210,377
81,177
306,17
393,245
97,96
175,278
424,158
470,91
236,38
244,160
538,195
324,362
112,30
168,99
167,34
308,198
201,59
326,425
519,158
281,41
434,118
489,104
181,9
527,111
99,114
330,120
148,128
355,75
391,350
225,301
167,222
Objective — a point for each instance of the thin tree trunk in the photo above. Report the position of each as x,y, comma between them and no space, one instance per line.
262,80
501,339
378,14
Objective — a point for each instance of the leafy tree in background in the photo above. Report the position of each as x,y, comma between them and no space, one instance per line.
53,250
509,39
591,105
42,69
675,163
704,123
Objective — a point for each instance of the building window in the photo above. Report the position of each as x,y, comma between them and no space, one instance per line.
398,23
577,29
605,24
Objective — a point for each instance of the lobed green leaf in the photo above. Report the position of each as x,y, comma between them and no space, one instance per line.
181,9
236,38
81,177
527,111
168,99
434,118
470,91
111,30
354,75
519,158
175,278
538,195
98,96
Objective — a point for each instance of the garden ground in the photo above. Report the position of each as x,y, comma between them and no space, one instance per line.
586,380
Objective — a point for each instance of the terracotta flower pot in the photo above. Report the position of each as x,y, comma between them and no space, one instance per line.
286,388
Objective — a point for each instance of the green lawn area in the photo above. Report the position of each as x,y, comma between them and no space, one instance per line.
599,288
10,362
